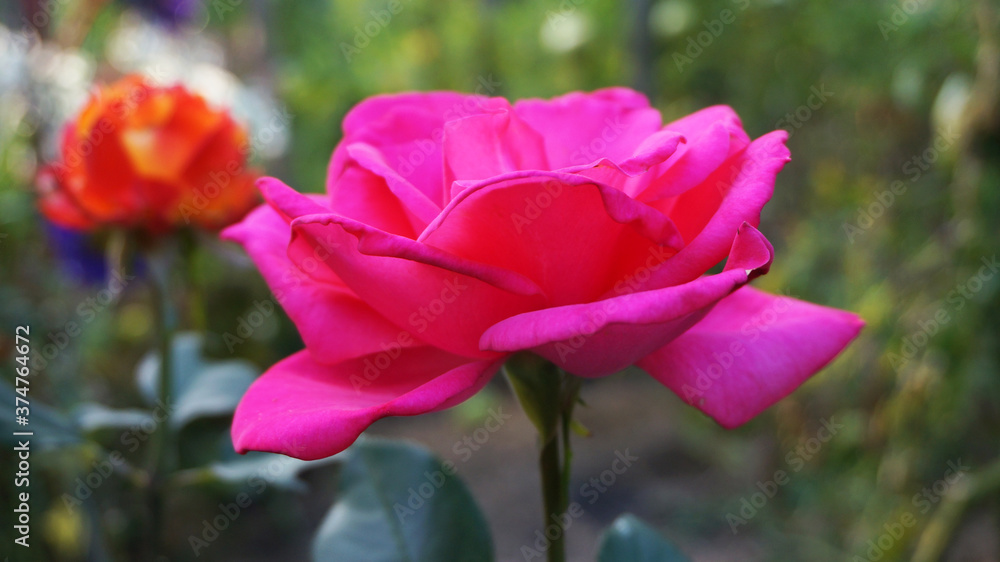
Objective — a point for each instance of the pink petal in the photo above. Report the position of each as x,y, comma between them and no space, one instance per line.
584,127
443,299
309,410
334,324
408,130
365,196
603,337
752,350
445,106
290,204
708,214
571,236
695,124
631,175
418,208
487,145
709,145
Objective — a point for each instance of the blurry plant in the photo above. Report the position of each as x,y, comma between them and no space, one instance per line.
138,166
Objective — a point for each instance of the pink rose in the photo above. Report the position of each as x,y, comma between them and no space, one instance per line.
459,229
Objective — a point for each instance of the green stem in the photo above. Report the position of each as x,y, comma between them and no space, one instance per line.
552,496
161,458
547,394
570,394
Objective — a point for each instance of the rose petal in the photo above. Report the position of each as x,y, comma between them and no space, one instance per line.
408,130
445,300
603,337
334,324
750,351
308,410
630,175
579,128
570,236
159,133
488,145
56,204
360,195
708,214
370,114
714,135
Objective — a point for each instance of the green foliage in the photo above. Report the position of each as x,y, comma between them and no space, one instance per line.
398,503
200,388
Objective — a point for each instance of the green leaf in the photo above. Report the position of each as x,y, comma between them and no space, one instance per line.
199,388
397,503
628,539
187,362
536,382
255,469
579,429
50,429
214,392
91,417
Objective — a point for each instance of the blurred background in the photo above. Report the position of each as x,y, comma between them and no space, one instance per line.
889,208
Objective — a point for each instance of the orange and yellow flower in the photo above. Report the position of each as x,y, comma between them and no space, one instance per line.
150,158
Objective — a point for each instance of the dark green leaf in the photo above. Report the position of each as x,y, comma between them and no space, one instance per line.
397,503
271,469
630,540
93,417
199,388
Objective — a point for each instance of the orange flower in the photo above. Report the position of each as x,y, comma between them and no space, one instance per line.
148,157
